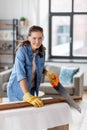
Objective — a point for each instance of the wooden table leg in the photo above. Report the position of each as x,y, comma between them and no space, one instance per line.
63,127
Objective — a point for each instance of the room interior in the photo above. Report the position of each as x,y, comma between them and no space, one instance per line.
36,12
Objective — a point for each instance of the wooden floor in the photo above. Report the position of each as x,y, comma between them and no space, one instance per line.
84,94
0,100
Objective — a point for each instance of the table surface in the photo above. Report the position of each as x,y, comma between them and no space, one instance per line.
35,118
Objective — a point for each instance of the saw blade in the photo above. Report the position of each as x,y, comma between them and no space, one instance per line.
66,95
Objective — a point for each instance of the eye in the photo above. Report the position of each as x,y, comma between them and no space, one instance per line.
34,38
40,38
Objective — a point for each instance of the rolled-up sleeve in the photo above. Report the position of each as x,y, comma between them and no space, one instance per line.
20,64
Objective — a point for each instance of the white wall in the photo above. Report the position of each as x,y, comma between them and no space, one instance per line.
16,8
36,11
10,9
30,9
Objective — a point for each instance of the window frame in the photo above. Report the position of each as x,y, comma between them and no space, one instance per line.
71,15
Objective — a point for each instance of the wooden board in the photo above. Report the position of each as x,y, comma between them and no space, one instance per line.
16,105
63,127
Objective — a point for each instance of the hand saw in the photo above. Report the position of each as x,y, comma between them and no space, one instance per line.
55,82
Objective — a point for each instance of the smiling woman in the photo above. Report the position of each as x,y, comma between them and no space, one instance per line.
29,65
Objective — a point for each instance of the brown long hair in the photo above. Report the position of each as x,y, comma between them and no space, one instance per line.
27,43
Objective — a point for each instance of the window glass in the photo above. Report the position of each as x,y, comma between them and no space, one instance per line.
80,5
61,5
80,35
68,32
60,35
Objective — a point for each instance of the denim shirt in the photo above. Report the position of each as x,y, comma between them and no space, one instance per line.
22,69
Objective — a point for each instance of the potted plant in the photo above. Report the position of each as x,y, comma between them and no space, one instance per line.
22,21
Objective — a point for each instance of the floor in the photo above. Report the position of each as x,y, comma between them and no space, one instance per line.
84,95
79,121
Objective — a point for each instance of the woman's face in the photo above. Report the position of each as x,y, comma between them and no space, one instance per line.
35,40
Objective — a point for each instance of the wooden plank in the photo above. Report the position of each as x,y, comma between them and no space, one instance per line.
63,127
16,105
5,24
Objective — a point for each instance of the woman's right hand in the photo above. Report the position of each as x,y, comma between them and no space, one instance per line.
34,100
53,78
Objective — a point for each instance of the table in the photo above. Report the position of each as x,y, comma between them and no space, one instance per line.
51,117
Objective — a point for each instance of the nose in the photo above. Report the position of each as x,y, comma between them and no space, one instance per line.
37,40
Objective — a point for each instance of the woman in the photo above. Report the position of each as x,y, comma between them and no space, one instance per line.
28,68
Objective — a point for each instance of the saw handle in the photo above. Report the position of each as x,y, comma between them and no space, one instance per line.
56,81
53,78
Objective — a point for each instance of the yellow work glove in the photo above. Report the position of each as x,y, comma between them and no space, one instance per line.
53,78
50,76
34,100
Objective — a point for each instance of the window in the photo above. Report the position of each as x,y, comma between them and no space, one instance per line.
67,29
